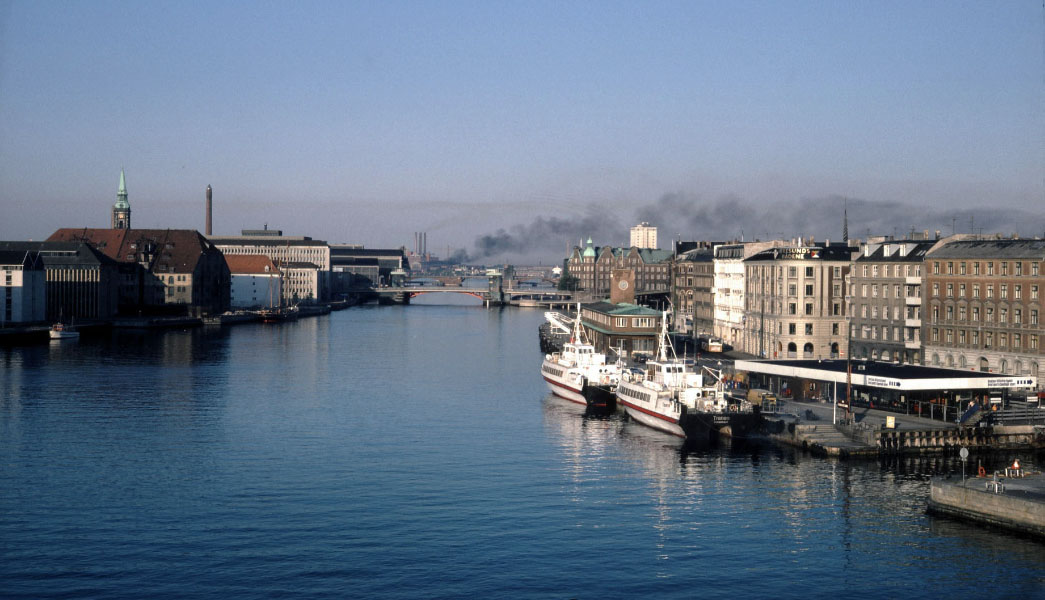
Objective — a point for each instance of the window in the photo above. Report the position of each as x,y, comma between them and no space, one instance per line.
863,310
936,289
897,290
1003,315
1005,268
950,290
836,309
990,291
865,271
950,336
1017,291
792,289
1032,342
936,268
975,338
950,313
950,268
1017,340
1003,340
809,289
792,308
809,271
961,290
1004,290
1034,316
961,336
809,329
836,290
961,268
976,290
791,329
936,335
961,313
834,328
792,271
1033,292
936,314
990,314
1034,269
838,271
1017,316
990,268
874,290
988,339
874,271
1019,271
809,308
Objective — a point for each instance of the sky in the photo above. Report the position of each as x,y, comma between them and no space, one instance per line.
510,131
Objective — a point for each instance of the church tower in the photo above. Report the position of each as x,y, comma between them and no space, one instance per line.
121,211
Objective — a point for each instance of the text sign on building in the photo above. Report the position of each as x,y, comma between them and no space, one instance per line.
884,382
796,253
1008,382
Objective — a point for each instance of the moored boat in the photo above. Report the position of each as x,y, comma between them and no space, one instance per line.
669,395
61,331
578,373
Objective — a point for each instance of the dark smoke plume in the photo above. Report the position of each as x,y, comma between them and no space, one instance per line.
689,217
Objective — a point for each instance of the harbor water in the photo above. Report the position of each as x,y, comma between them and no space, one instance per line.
413,452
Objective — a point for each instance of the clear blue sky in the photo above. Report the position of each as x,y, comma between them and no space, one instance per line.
365,122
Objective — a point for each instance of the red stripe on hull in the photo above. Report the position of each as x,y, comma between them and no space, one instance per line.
565,387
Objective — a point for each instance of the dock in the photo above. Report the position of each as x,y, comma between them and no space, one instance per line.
1002,499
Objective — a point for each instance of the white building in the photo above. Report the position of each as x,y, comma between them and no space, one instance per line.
22,285
729,288
644,236
255,281
303,261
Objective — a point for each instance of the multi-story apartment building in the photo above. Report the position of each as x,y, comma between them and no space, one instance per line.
795,301
885,290
594,268
256,282
644,235
728,284
692,290
983,305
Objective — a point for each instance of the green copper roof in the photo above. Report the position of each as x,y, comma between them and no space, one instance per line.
589,251
121,194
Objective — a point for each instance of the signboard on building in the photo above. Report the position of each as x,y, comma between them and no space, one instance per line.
882,382
1009,382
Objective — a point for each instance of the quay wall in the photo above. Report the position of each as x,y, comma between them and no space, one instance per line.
1003,510
1002,437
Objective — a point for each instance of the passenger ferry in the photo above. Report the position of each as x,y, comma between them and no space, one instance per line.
579,373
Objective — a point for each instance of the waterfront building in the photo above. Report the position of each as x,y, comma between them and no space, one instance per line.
692,289
256,282
621,328
935,393
885,289
168,271
80,282
22,287
121,210
594,268
983,305
728,283
361,261
309,260
644,236
795,301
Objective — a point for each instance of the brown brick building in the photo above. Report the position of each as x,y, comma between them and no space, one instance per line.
983,306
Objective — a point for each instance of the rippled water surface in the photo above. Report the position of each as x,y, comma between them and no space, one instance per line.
406,452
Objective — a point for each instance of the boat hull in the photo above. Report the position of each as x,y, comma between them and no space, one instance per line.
652,418
737,425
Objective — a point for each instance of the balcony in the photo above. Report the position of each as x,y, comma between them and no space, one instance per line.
913,280
912,301
912,322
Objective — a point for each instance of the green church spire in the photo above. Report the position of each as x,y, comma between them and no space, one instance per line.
121,194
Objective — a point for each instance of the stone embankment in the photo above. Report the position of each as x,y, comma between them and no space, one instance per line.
1015,501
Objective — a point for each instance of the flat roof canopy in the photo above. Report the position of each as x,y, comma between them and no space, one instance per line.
886,375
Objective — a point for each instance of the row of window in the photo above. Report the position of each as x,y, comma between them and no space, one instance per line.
973,336
974,268
914,270
1003,289
989,313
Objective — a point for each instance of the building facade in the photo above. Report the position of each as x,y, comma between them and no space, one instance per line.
627,329
728,283
885,290
693,291
795,301
161,271
983,306
22,287
255,281
594,268
644,236
80,282
304,262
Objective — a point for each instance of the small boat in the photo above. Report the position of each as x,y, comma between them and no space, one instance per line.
61,331
579,373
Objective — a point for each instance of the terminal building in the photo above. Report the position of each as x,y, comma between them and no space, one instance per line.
932,392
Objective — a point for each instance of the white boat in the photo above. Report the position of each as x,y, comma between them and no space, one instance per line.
579,373
60,331
668,395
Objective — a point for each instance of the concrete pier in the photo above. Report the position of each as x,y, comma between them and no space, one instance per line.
1015,503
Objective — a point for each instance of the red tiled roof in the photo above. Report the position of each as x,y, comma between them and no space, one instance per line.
173,250
242,264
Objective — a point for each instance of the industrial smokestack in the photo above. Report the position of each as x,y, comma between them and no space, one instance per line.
210,211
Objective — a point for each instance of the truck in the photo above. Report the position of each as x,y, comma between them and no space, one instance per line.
764,399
